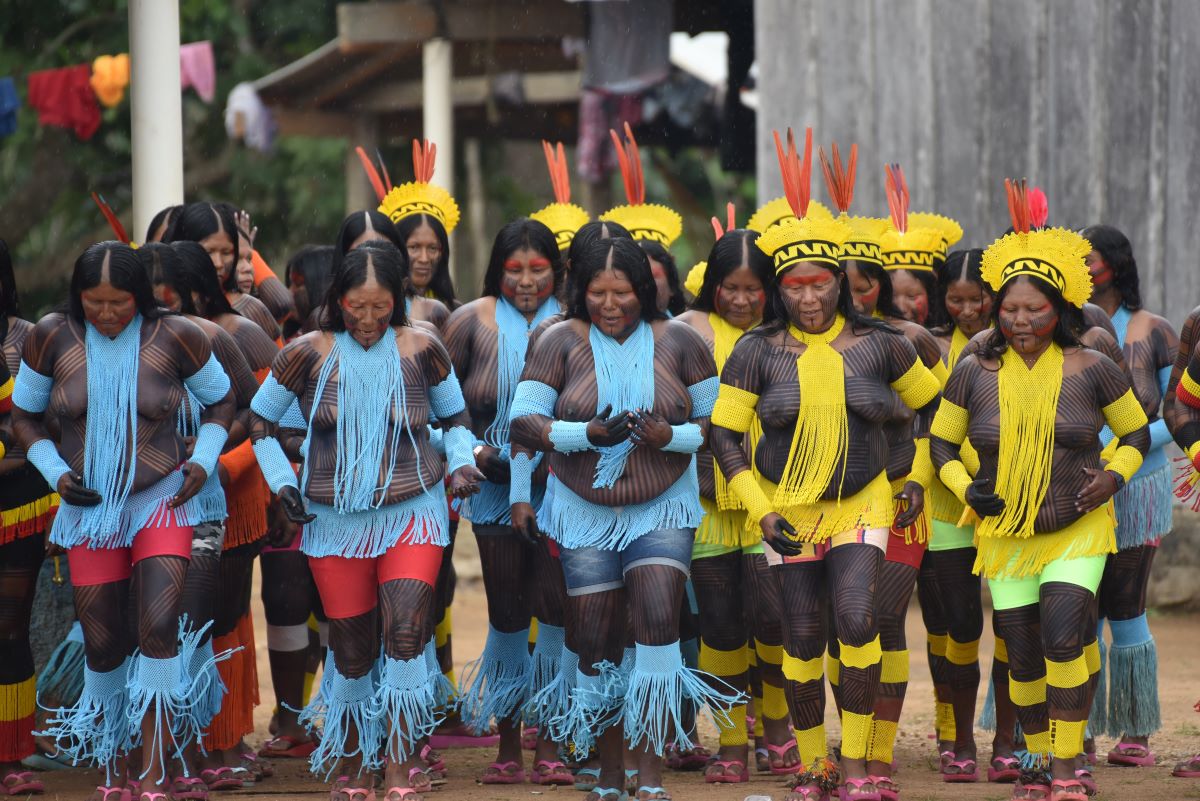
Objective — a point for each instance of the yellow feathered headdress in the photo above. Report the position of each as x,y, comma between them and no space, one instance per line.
865,232
643,220
903,246
418,196
950,230
562,217
1053,255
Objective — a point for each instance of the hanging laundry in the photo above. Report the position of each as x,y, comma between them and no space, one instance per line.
9,103
247,118
110,76
64,97
198,69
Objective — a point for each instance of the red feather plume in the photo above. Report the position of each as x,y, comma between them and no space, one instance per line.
113,221
796,174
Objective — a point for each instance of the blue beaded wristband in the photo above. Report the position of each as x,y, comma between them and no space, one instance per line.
569,437
276,468
210,383
685,438
520,469
272,400
45,457
459,443
32,389
209,442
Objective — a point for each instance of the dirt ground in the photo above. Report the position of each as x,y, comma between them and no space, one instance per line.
1179,653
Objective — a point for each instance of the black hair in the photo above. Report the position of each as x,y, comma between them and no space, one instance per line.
1114,247
354,226
591,232
728,254
960,265
885,304
354,272
1067,330
162,219
10,301
522,233
125,273
928,281
779,319
198,221
315,263
441,285
195,264
161,263
676,304
626,257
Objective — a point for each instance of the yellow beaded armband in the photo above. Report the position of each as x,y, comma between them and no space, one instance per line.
734,409
1188,390
950,423
940,372
1192,450
1125,415
922,465
918,386
750,494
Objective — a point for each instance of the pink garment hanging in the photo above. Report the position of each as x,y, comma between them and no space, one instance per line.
198,70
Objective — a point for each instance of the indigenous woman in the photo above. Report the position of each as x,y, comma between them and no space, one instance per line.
367,387
913,282
307,276
27,505
733,584
260,280
1033,403
620,436
487,340
214,227
1143,506
122,470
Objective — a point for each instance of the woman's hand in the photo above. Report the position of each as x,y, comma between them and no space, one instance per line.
293,505
494,469
524,522
71,489
194,477
651,429
465,481
914,494
981,498
1102,485
280,530
603,431
773,529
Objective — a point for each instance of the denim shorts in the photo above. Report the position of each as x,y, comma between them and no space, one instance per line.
591,570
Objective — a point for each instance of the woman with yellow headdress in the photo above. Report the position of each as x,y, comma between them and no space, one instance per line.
1033,402
816,379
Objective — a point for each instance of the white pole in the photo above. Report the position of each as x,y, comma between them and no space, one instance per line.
155,109
437,79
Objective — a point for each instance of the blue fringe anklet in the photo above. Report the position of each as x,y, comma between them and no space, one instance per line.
494,687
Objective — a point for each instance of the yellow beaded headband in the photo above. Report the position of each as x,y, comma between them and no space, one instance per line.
418,196
562,217
904,247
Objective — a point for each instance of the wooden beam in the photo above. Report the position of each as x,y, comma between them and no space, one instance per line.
312,123
540,88
367,24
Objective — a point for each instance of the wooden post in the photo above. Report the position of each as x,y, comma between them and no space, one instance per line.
156,115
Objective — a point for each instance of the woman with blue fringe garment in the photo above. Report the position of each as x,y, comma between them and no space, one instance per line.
618,397
487,339
1143,509
368,384
113,371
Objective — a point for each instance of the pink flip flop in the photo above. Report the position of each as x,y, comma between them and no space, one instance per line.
860,794
1059,791
222,778
1131,755
399,792
287,747
1181,770
887,787
966,772
727,776
188,788
1008,772
22,782
781,752
503,775
550,772
1084,776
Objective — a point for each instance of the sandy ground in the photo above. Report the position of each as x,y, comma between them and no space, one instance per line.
1179,655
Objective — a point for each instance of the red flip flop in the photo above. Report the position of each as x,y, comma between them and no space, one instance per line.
1182,769
966,772
1131,755
285,746
549,772
505,773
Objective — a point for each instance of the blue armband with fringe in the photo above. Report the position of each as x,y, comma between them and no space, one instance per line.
32,389
446,399
210,383
533,397
520,470
209,442
704,396
276,468
45,457
459,447
569,437
685,438
272,400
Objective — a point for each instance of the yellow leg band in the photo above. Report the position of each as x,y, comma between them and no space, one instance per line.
895,667
774,702
1039,743
946,727
533,626
856,733
1091,655
810,744
1067,674
442,632
962,653
1067,737
306,692
937,643
734,734
861,656
768,654
1001,652
1026,693
883,741
798,669
752,657
833,669
724,663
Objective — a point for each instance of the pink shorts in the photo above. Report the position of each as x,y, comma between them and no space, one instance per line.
92,566
349,587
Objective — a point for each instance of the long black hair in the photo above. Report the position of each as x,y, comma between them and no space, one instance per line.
676,303
354,226
441,285
960,265
728,254
626,257
521,234
1067,330
1114,247
779,320
161,263
195,222
590,233
195,263
355,269
162,219
125,273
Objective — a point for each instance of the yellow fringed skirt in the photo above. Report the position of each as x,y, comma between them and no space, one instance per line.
725,528
871,507
1015,557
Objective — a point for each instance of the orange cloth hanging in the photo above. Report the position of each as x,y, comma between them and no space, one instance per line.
110,76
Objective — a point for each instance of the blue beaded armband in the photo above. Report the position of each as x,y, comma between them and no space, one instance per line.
704,396
446,398
533,397
276,468
569,437
293,417
685,438
45,457
272,400
520,469
32,390
209,442
210,383
459,443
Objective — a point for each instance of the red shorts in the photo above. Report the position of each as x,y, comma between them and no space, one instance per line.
906,554
92,566
349,587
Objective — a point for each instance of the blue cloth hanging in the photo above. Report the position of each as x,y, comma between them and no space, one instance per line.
10,101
